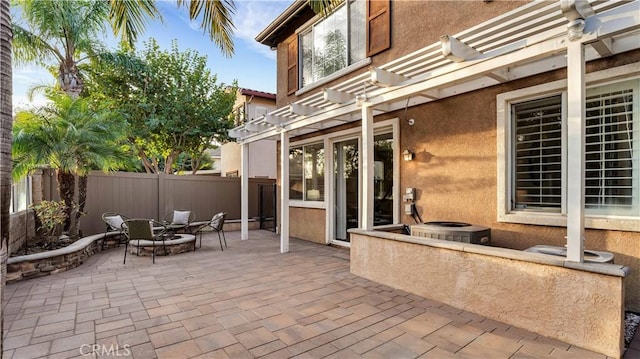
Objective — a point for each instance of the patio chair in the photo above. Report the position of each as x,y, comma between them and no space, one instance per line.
113,222
141,229
179,219
216,225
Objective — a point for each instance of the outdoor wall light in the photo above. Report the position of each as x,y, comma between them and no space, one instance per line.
407,155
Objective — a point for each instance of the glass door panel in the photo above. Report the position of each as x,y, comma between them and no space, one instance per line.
346,174
383,179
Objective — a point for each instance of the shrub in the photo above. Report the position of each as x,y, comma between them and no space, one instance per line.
51,215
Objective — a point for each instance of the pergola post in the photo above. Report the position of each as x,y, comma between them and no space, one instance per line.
575,150
244,192
367,168
284,191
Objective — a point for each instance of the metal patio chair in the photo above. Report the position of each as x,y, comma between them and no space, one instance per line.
113,222
216,225
179,219
142,229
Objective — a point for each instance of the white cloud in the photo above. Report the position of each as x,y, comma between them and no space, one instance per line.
21,102
24,78
254,16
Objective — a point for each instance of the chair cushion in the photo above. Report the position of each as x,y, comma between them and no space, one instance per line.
215,221
181,217
114,222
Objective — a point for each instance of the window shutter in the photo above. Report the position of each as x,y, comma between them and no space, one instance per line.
609,153
292,65
538,153
378,26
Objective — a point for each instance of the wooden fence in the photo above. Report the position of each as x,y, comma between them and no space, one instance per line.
154,195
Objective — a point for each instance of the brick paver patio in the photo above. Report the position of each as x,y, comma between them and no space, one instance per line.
248,301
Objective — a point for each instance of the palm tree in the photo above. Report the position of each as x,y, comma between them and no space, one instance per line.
59,35
5,146
72,137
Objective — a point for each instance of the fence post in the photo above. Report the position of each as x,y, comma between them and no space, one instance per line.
161,195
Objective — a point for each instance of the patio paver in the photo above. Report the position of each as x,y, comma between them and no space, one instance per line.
248,301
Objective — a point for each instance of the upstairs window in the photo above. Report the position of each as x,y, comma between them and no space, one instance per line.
334,42
355,30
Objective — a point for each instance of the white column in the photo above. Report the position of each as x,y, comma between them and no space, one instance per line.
367,168
284,192
575,150
244,192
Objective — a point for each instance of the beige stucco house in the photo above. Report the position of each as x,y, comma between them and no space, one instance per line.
250,105
520,117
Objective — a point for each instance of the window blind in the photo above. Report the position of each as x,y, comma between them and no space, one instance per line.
609,154
538,153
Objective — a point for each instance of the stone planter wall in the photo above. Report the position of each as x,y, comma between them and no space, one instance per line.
59,260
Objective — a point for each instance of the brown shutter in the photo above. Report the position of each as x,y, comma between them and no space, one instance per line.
378,26
292,65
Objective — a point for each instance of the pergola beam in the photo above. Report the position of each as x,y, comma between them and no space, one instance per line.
275,120
456,50
336,96
380,77
257,127
302,110
604,47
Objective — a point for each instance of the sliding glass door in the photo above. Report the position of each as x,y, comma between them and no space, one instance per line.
347,189
346,175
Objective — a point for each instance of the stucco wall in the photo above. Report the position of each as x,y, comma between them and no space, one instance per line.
414,25
262,159
307,223
575,306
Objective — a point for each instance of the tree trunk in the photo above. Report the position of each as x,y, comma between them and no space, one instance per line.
66,190
74,230
69,78
6,123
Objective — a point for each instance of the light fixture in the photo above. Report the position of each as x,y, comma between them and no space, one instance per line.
407,155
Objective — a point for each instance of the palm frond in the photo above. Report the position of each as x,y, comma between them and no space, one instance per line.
129,18
216,20
29,47
324,7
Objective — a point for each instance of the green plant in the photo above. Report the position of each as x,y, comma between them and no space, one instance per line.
51,215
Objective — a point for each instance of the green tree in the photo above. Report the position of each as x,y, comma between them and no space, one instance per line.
171,101
59,35
71,136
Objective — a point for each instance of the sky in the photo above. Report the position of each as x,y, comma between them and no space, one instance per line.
253,65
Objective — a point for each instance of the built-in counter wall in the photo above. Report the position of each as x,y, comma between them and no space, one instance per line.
577,303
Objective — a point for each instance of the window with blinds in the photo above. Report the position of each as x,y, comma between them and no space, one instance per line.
610,177
538,154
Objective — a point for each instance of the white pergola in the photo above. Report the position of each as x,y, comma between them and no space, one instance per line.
539,37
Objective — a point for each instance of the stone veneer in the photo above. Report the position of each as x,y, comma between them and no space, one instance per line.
59,260
181,244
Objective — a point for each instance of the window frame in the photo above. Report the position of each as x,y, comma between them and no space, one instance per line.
304,201
505,171
28,184
308,26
